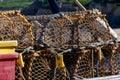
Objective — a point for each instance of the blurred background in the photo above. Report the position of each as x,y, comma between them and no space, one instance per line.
41,7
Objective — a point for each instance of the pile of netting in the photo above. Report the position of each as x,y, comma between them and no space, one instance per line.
64,46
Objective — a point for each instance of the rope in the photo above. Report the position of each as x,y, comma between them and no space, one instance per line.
21,73
92,56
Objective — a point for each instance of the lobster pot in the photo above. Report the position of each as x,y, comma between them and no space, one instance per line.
41,67
79,64
71,29
93,52
75,29
87,63
14,26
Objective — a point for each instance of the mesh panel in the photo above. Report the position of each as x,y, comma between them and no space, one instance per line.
42,67
14,26
38,23
18,74
61,33
108,66
78,64
88,27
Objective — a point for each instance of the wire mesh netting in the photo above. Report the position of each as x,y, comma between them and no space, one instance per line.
111,62
14,26
85,61
75,45
42,67
75,29
79,64
18,75
88,65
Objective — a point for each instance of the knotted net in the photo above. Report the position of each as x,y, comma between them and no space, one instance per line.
87,34
93,52
14,26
